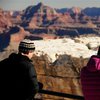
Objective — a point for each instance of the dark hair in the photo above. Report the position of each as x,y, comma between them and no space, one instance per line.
25,51
98,53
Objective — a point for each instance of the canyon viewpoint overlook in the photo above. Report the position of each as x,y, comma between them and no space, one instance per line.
64,39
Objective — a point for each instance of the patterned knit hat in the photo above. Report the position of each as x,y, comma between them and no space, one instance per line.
26,45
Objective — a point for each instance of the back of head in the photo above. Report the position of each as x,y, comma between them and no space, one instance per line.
26,45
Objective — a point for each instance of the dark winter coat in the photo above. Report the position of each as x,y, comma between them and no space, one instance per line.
18,78
90,79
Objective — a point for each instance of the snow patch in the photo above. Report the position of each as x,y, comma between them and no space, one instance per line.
67,46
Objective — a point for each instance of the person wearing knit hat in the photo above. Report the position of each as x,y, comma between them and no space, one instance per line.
20,77
26,46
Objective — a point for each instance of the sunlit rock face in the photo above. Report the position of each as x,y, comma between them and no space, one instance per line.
61,76
5,20
38,14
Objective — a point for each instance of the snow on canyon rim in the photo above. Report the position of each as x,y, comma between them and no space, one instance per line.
67,46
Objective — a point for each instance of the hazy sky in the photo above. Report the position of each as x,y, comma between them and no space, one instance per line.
22,4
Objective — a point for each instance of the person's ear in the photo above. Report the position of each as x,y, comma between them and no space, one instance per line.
28,52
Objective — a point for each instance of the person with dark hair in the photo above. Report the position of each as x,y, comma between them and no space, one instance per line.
18,75
90,78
